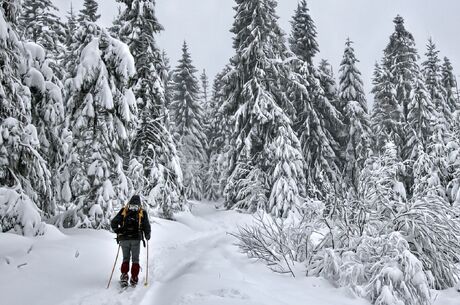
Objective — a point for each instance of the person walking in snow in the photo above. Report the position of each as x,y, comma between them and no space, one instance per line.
131,225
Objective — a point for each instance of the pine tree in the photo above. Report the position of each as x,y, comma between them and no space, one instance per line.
188,117
153,146
89,11
317,120
39,23
356,117
256,106
102,114
24,175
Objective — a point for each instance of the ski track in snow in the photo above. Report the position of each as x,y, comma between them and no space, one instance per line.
193,261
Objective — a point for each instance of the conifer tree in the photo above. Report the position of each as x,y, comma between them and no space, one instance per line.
433,80
218,134
204,87
89,11
188,117
254,101
420,120
24,175
387,115
39,23
449,82
356,117
103,115
70,26
328,83
303,37
153,146
400,59
317,120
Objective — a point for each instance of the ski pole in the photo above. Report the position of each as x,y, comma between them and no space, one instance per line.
147,274
114,264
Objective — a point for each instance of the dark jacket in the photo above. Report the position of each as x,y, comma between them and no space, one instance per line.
127,227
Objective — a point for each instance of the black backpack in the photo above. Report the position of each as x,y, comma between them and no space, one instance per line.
132,220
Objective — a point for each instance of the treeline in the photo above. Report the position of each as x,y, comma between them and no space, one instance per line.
83,117
380,185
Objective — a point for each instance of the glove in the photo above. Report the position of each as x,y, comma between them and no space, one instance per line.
117,230
147,236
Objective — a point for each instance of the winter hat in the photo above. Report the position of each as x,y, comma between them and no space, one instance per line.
135,200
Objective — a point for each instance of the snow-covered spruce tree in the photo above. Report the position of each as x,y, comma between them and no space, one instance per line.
400,59
204,87
117,23
356,117
315,114
47,114
387,115
70,26
188,116
303,35
102,114
420,120
68,59
333,123
23,171
449,83
328,83
433,79
288,174
39,23
154,146
256,104
89,11
218,132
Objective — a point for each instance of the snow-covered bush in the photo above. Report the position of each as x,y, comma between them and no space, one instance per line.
282,242
429,226
396,275
18,213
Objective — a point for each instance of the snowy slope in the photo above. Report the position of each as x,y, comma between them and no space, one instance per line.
193,261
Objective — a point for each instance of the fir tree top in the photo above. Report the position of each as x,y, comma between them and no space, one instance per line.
432,67
401,46
351,84
303,36
89,11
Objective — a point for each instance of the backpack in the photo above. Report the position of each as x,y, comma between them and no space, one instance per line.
132,220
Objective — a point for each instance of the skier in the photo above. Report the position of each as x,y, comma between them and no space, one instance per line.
131,224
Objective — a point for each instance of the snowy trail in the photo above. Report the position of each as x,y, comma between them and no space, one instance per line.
193,261
197,263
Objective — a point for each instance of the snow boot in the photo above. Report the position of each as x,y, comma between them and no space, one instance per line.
124,274
134,274
124,280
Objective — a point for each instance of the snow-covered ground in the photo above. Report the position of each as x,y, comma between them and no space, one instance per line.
192,261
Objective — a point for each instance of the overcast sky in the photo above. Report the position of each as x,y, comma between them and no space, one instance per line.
205,25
